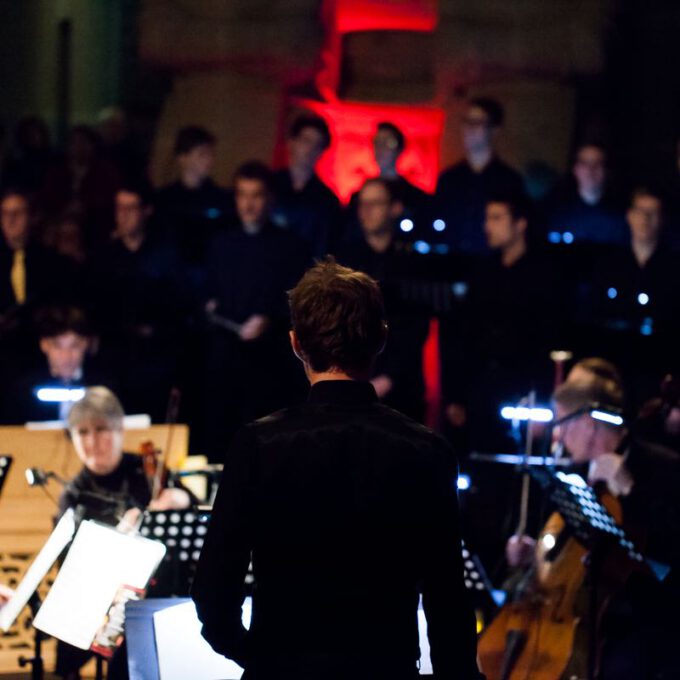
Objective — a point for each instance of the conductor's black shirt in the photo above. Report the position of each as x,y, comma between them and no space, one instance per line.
347,507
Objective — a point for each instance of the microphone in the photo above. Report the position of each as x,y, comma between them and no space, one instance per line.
39,477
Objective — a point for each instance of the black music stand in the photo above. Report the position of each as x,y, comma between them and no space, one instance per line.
591,524
5,465
182,532
477,582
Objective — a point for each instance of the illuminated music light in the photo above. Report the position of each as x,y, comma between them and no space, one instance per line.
612,293
422,247
59,395
536,415
463,482
439,225
406,225
611,418
568,237
643,298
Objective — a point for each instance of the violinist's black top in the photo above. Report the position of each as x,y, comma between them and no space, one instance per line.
126,487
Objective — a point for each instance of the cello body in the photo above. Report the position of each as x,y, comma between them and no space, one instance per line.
532,637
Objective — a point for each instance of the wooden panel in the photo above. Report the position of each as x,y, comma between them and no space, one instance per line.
26,513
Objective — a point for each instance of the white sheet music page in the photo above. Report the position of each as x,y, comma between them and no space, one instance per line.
182,651
43,562
100,560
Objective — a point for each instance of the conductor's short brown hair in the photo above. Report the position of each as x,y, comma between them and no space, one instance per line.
338,317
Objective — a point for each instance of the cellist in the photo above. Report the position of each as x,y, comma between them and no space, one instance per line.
638,627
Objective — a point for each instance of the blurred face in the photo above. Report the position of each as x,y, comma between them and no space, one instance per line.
477,132
385,149
589,169
644,218
306,149
375,209
65,354
199,162
252,201
131,213
99,444
577,435
15,221
500,228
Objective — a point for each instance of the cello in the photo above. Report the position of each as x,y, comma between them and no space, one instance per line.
532,637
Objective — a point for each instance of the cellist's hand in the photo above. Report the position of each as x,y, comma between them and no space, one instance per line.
171,499
611,468
520,550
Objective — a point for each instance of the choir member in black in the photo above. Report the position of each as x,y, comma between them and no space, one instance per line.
494,350
30,275
636,297
398,376
499,349
347,508
30,156
249,269
137,296
388,145
84,181
464,189
637,626
193,209
583,210
303,203
111,488
67,362
120,146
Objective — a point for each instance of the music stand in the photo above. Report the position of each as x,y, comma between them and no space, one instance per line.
593,526
5,465
476,581
182,532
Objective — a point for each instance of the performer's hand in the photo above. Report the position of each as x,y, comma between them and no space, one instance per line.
382,385
611,469
5,594
456,414
171,499
519,550
253,327
129,524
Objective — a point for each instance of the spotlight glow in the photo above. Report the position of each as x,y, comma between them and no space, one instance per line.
463,482
605,417
59,395
406,225
439,225
536,415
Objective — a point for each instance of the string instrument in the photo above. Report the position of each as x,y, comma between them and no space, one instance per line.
154,466
154,459
532,637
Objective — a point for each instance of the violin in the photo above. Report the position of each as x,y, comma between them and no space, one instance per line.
155,469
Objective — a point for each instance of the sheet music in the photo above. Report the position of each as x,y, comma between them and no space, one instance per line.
43,562
182,651
100,560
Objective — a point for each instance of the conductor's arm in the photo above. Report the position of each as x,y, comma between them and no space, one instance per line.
218,589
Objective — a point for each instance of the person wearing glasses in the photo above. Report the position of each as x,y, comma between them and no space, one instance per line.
464,188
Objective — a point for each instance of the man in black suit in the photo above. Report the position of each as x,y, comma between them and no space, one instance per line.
347,508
